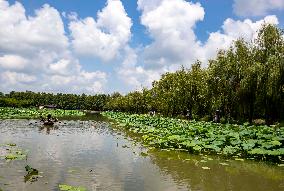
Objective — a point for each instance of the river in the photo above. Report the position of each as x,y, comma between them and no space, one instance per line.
93,153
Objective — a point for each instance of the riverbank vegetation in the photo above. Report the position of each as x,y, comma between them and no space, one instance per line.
245,82
33,113
236,141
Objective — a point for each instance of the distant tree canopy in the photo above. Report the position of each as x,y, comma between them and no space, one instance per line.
63,101
244,82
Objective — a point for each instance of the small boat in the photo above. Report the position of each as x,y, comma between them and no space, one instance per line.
50,123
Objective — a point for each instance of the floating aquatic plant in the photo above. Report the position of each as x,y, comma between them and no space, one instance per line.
12,152
32,113
64,187
32,174
229,140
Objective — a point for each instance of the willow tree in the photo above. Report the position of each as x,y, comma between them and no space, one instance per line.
164,93
269,53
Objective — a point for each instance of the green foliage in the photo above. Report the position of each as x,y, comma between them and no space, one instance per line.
12,152
32,174
31,170
32,113
245,141
63,101
245,82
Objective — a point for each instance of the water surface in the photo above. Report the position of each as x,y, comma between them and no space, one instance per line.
91,152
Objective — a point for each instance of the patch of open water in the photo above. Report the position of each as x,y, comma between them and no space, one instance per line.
98,156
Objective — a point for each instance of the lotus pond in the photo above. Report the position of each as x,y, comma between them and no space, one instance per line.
33,113
231,141
93,153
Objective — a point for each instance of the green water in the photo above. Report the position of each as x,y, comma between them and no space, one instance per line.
90,152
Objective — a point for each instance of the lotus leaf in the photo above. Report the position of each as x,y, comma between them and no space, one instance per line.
243,141
64,187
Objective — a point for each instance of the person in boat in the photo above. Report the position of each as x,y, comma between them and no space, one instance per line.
49,119
55,119
41,118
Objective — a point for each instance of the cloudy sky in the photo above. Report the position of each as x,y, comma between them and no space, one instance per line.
102,46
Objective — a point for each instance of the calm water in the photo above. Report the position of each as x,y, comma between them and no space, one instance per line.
99,156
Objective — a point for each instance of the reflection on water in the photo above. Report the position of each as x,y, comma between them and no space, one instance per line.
90,153
229,175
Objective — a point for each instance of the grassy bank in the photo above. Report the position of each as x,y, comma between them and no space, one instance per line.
236,141
33,113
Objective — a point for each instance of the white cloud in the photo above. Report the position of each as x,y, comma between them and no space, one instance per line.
134,75
15,78
256,7
91,75
83,82
61,65
35,53
231,31
65,67
247,28
13,62
27,34
170,24
103,38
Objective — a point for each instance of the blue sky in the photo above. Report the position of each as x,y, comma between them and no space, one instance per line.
216,12
117,45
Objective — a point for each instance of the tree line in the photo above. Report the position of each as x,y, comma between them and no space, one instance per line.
62,101
245,82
